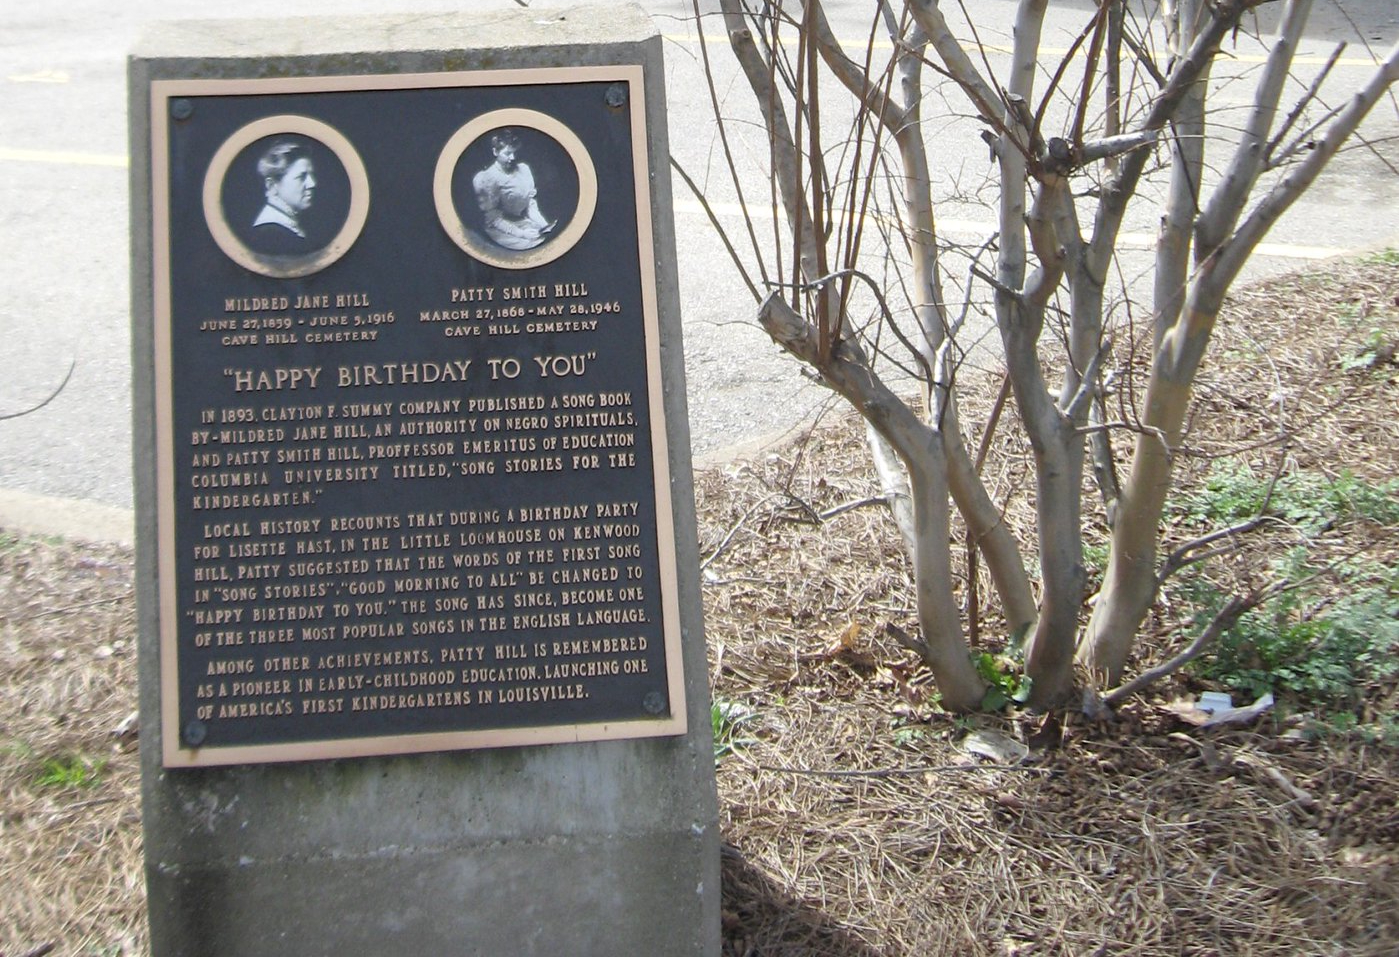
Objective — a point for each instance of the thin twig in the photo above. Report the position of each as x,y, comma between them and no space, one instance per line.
892,772
852,506
1300,107
1144,58
995,417
718,228
728,154
1232,611
724,544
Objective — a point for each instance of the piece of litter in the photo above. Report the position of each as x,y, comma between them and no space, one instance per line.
1215,701
996,746
1241,715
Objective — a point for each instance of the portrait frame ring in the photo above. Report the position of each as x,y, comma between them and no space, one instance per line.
266,264
455,225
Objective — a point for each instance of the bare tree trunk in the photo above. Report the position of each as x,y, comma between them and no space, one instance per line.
1129,586
921,450
1003,557
1020,305
893,485
903,122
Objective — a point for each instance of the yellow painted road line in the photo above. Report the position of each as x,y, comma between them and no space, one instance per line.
978,230
855,47
691,207
62,157
39,76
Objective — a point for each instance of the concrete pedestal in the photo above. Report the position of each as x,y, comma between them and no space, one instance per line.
598,848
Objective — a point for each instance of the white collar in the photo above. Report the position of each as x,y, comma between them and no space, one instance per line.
279,217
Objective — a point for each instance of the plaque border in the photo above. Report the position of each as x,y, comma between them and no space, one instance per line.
450,216
173,753
286,267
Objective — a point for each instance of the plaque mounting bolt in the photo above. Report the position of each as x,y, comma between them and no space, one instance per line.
181,109
653,703
195,733
617,95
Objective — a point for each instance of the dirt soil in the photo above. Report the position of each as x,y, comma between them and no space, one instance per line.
858,819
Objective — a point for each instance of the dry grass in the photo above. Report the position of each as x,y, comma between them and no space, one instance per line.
70,827
856,823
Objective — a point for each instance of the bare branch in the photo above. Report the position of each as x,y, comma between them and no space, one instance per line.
1227,617
1088,386
930,19
884,310
1234,252
1231,195
893,484
1182,205
1109,147
1198,550
853,505
1185,74
1300,107
913,644
1099,27
729,162
973,271
994,283
786,158
1144,58
1112,74
922,451
853,76
718,228
1029,22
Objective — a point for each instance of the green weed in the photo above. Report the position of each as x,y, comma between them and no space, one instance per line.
908,735
1377,349
1095,556
726,718
1005,683
1233,493
71,771
1385,257
1312,651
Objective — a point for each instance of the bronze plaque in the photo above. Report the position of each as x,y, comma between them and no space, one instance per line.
412,450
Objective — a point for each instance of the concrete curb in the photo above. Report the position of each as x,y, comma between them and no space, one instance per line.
31,514
28,513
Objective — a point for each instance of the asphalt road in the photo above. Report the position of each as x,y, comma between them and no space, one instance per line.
63,220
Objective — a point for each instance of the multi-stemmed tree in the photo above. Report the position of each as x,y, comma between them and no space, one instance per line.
863,289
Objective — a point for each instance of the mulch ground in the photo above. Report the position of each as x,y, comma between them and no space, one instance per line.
858,819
